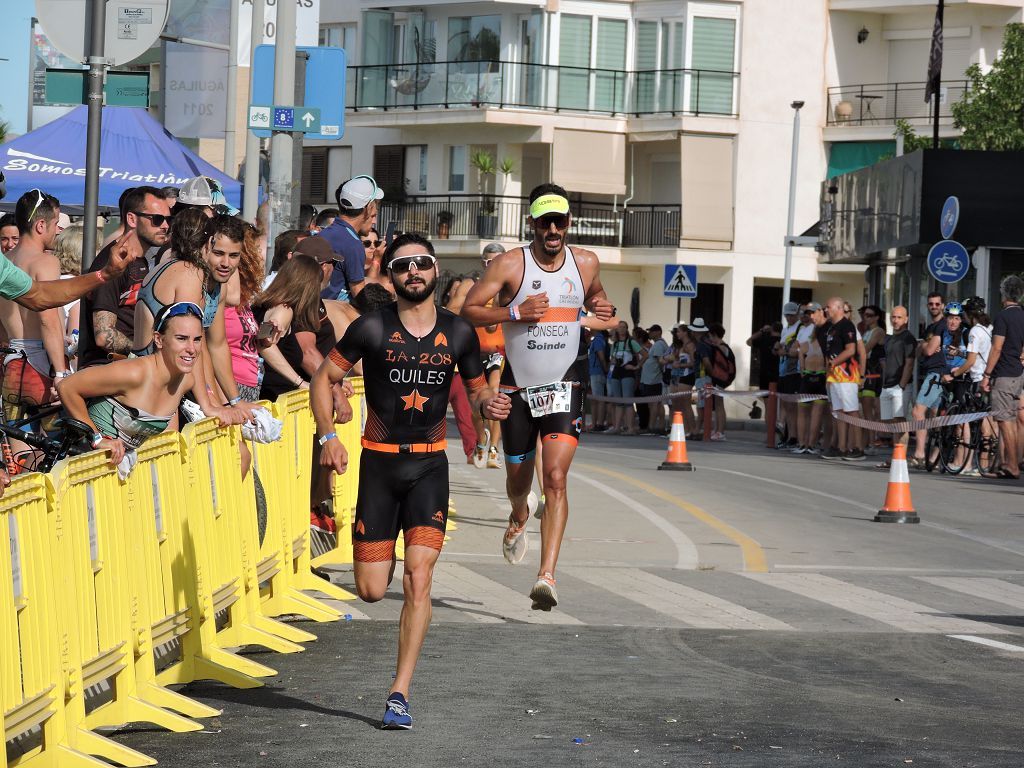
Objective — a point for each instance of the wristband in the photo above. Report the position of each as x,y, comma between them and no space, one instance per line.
99,275
96,439
513,312
328,436
62,375
233,401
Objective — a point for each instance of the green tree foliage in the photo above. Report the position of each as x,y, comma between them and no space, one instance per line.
991,115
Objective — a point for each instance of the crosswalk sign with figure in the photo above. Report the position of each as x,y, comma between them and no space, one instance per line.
681,280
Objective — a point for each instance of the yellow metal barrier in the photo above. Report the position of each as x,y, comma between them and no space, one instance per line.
281,595
95,622
32,681
223,533
299,430
346,487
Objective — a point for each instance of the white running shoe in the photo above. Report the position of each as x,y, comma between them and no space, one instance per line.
532,502
480,457
493,462
514,543
543,593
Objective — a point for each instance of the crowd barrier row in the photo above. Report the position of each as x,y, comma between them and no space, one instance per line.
100,578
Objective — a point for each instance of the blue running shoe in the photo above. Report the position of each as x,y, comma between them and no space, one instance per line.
396,716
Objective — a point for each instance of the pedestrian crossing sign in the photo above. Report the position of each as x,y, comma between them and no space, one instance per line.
681,280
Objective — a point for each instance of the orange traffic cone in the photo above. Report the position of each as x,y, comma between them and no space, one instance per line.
898,508
676,458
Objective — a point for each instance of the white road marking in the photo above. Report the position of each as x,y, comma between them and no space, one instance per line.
690,606
994,590
686,550
892,569
887,609
989,643
488,602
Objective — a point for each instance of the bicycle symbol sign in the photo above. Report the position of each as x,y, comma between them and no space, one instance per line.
948,261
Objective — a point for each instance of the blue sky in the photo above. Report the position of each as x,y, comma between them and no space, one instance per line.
15,44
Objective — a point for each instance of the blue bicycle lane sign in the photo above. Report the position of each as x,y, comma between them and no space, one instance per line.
948,261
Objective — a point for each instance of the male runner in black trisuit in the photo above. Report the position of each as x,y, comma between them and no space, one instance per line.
409,351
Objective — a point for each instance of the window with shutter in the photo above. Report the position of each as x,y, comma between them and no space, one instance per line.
646,45
389,170
609,85
314,175
712,47
574,51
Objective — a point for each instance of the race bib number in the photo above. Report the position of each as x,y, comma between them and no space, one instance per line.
549,398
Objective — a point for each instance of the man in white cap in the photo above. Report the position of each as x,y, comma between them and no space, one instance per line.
357,200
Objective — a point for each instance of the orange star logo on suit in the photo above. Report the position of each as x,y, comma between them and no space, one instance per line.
414,400
440,340
360,529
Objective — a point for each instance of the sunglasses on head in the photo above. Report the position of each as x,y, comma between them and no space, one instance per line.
560,220
371,243
177,310
336,263
156,219
402,264
41,197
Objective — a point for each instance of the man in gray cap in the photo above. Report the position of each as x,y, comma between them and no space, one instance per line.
357,200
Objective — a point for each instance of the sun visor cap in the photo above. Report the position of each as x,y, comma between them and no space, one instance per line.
548,204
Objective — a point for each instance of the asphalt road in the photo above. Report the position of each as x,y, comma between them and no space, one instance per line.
746,614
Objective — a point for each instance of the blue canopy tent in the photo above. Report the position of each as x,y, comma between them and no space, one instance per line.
135,150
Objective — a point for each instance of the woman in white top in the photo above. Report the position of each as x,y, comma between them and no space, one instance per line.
979,345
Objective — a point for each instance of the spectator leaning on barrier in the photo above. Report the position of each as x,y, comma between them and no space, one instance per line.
357,199
1004,374
897,373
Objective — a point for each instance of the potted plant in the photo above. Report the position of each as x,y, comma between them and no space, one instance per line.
486,220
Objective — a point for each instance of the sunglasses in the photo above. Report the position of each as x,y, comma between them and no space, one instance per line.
177,310
156,219
560,220
402,264
40,199
935,304
371,243
336,263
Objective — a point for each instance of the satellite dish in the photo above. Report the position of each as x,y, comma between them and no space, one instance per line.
132,26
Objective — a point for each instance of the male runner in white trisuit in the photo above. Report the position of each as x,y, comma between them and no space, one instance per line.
540,292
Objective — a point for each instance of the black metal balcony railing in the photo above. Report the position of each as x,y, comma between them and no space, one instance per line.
885,103
462,217
507,84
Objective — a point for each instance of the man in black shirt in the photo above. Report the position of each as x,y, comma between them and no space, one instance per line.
897,371
108,313
1004,374
410,351
839,344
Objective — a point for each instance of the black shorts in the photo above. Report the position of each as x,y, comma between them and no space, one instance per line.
872,386
789,384
399,491
813,384
685,379
520,430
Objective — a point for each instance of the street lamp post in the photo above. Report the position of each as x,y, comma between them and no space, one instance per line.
787,275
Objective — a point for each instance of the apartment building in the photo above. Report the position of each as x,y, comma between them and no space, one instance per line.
668,121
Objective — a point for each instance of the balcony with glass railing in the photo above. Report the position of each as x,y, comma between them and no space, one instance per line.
493,217
515,85
880,104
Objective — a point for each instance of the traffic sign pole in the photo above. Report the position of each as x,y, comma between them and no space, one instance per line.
231,113
281,142
97,66
251,182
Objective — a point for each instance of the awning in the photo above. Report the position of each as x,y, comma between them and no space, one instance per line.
847,156
590,162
